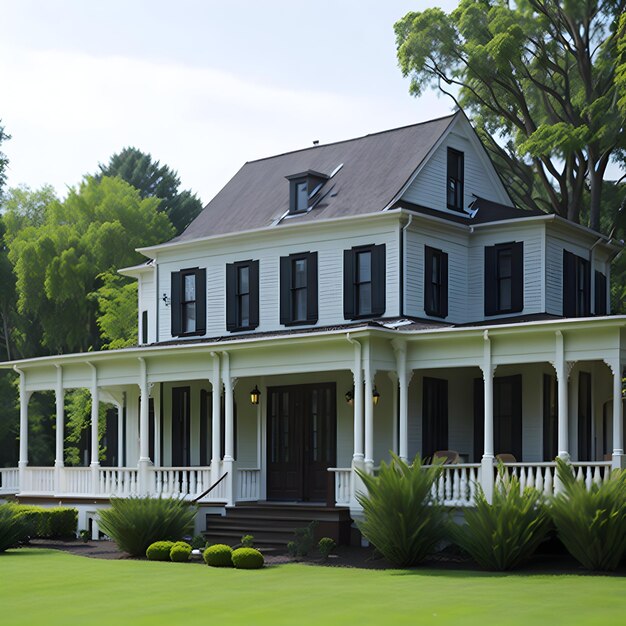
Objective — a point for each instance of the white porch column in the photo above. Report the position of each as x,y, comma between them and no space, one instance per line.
403,402
562,370
216,422
120,431
59,486
619,461
368,375
144,428
23,455
487,470
357,373
95,413
229,430
156,396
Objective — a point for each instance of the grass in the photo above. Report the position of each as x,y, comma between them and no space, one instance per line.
50,587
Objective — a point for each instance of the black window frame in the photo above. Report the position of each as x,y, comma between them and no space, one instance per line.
494,278
600,293
178,304
435,282
352,285
455,179
144,327
288,289
576,285
234,321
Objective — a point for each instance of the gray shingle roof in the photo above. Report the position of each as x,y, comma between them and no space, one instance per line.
375,168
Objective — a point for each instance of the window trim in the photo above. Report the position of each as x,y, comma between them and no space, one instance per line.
378,282
233,314
458,177
177,303
575,268
491,284
287,289
439,308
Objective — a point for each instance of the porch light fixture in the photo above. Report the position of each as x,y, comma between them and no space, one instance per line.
349,396
166,299
255,394
375,396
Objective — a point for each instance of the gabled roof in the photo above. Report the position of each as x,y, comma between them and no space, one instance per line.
374,168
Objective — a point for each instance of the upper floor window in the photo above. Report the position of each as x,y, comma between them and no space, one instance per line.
298,288
242,295
188,302
504,278
364,273
576,285
303,188
435,282
600,294
455,180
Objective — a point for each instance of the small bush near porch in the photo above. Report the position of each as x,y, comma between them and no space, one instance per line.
50,587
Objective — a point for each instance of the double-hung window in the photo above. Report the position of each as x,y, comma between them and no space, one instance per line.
576,285
364,271
298,289
242,295
455,180
188,302
435,282
504,278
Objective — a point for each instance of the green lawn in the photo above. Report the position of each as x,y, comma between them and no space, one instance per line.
49,587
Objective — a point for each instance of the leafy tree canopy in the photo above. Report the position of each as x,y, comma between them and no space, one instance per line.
117,311
58,262
154,180
538,78
4,161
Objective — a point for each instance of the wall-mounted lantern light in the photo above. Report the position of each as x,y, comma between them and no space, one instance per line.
255,394
350,396
375,396
166,299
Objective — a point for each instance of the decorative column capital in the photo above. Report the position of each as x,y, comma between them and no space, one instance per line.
614,365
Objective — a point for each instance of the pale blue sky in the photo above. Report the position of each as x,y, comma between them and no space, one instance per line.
202,86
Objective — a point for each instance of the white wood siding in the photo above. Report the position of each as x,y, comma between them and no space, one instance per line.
329,243
147,302
429,187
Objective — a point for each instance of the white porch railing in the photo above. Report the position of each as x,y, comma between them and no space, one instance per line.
457,483
343,485
179,482
76,481
9,480
38,480
248,485
120,482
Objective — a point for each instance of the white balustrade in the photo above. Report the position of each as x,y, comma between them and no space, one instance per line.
248,484
343,485
39,480
120,482
179,482
592,472
9,480
77,480
456,485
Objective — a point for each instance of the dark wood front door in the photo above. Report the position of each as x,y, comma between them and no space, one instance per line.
301,441
180,427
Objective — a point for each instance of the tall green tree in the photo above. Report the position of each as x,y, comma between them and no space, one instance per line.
4,161
538,78
154,180
58,263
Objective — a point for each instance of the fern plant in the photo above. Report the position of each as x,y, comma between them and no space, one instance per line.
402,520
506,533
135,523
591,523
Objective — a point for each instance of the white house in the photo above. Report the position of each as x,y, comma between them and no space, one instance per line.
332,304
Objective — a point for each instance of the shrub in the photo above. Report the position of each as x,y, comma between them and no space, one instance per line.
247,541
402,521
247,558
505,534
218,555
180,552
325,546
591,523
304,541
63,522
49,523
12,527
198,542
159,550
135,523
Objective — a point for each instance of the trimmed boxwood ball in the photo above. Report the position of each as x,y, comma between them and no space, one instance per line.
218,555
247,558
159,551
180,552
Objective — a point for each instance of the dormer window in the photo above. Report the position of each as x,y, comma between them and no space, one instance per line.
455,180
303,188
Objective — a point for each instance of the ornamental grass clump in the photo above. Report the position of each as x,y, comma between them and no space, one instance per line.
218,555
591,523
402,519
135,523
12,527
247,558
506,533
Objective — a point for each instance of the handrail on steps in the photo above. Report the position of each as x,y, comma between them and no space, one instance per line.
206,492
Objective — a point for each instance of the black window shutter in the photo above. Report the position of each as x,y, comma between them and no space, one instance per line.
311,287
144,327
285,288
231,296
379,273
175,304
600,294
201,301
587,304
517,276
348,285
490,281
254,294
444,285
430,308
569,284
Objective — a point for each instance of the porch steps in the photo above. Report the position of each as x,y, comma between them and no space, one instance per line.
273,524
